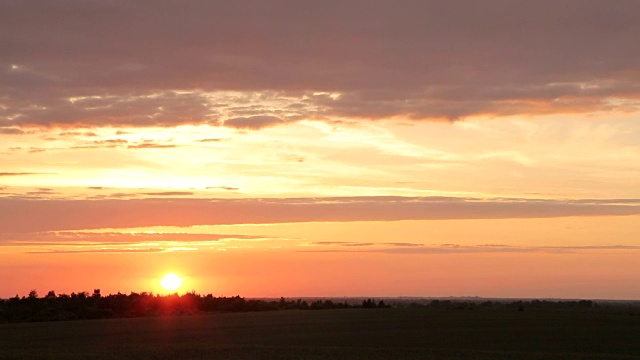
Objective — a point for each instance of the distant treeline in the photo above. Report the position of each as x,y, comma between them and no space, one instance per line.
519,305
83,305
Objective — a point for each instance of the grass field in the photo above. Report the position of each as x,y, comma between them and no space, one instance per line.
335,334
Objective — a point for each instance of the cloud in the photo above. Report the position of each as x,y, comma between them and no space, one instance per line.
99,144
502,249
71,107
212,140
54,242
101,250
228,188
150,146
254,122
404,244
18,215
169,193
97,64
78,133
17,173
419,249
10,131
344,243
123,195
83,238
44,192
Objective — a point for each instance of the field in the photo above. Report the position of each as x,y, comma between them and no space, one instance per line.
335,334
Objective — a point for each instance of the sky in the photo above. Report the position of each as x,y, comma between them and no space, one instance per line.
329,148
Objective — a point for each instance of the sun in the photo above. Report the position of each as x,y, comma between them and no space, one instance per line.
171,282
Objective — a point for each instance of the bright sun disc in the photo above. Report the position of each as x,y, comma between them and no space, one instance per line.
171,282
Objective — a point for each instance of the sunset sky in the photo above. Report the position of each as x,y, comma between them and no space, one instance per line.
321,148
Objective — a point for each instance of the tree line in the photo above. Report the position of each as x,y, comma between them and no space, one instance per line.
84,305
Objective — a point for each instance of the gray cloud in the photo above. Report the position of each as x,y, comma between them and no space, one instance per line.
152,63
18,215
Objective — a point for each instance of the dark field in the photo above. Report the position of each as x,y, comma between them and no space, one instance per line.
335,334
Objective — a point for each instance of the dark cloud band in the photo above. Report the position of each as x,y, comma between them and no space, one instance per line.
165,63
31,215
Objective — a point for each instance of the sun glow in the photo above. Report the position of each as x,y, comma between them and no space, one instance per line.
171,282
